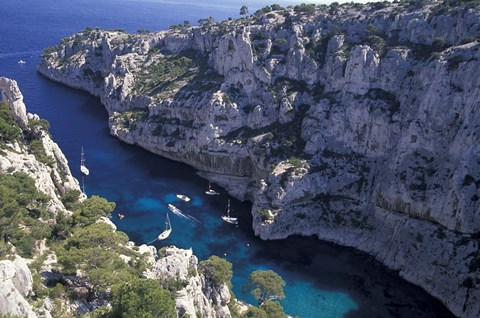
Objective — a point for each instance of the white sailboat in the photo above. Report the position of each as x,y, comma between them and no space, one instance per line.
168,230
83,169
227,218
210,191
183,197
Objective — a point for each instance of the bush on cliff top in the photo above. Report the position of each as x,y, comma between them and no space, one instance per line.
9,129
217,270
141,298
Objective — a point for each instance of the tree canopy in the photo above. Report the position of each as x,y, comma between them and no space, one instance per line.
218,270
255,312
273,309
142,298
266,285
9,129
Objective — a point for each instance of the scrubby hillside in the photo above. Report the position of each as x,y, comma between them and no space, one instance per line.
61,256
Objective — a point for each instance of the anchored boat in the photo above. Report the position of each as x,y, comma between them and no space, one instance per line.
210,191
83,169
183,197
168,230
227,218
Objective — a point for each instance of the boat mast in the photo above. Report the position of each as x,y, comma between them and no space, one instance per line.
83,186
228,208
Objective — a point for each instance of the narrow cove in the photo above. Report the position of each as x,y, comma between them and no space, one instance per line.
323,280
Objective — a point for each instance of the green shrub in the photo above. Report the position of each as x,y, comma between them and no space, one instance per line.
217,270
305,8
9,129
142,298
37,149
21,205
264,214
42,123
273,309
297,163
70,198
254,312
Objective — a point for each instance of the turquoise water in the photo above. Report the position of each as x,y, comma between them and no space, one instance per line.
323,280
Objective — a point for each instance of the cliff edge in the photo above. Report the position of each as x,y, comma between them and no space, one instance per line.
355,123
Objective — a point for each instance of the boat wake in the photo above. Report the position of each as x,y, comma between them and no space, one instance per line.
178,212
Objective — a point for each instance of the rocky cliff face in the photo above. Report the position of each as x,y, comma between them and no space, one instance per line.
197,297
15,284
359,125
48,167
53,177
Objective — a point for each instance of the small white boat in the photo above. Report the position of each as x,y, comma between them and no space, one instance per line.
183,197
21,62
168,230
175,210
227,218
121,216
210,191
83,169
178,212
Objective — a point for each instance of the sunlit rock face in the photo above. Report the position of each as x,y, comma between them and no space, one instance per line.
359,125
199,297
15,285
53,179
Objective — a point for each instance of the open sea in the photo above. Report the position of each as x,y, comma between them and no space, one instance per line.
323,280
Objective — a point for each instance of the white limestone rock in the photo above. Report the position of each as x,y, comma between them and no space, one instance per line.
15,284
391,137
198,296
53,180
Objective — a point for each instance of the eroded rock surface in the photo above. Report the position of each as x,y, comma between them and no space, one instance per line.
357,125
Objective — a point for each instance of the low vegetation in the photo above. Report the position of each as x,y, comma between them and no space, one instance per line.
9,129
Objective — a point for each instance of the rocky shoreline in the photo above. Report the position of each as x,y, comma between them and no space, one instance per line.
357,124
21,294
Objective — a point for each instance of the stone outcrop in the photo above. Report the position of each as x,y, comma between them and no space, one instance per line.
359,125
198,297
15,284
54,179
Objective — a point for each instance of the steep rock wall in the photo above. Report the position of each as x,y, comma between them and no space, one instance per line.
199,298
357,125
54,179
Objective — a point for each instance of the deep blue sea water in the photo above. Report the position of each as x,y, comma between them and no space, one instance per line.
323,280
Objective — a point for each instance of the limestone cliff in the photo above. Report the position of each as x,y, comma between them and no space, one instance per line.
48,165
15,284
357,124
196,297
